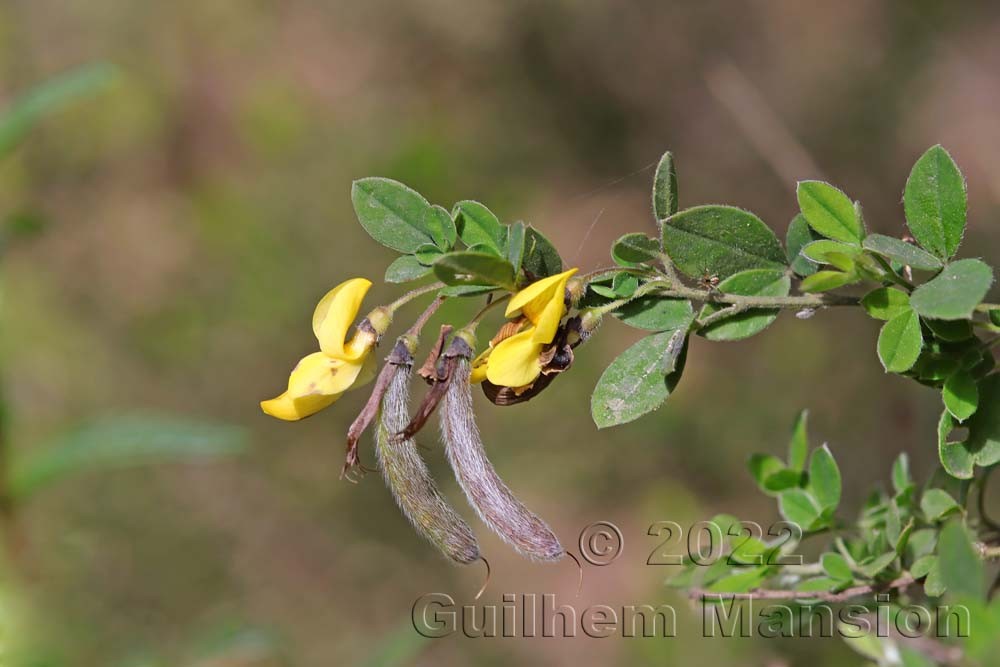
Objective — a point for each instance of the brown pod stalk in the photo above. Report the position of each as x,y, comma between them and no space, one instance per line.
489,496
408,478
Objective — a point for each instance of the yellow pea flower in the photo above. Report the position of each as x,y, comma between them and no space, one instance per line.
514,362
320,378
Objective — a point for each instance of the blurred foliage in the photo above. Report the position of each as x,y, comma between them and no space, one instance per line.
198,208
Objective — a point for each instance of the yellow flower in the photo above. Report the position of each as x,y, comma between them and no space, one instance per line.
320,378
514,361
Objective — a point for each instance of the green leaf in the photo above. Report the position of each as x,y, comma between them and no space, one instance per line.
886,303
405,269
466,290
933,584
901,479
633,249
47,98
824,478
955,457
830,212
393,214
782,480
900,342
836,566
427,254
541,259
935,203
478,226
800,508
995,317
922,566
741,581
984,426
818,584
871,568
799,235
961,395
754,282
762,466
656,313
824,281
122,442
516,239
954,331
822,250
937,503
474,268
624,285
665,188
961,568
955,292
639,380
798,447
720,241
900,251
442,228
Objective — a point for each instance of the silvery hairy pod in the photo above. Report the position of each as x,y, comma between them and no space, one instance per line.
489,496
406,474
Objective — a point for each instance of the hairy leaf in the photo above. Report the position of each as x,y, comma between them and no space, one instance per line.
393,214
638,381
955,292
830,212
935,203
720,241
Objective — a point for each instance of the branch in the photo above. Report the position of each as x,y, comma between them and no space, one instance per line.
793,302
772,594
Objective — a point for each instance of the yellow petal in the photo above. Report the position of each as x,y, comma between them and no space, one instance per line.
317,381
478,374
543,303
292,409
335,312
479,366
514,362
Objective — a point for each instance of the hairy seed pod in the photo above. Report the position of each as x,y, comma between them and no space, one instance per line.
407,477
487,493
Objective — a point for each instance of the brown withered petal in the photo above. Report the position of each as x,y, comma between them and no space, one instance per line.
555,360
506,396
507,330
429,370
457,349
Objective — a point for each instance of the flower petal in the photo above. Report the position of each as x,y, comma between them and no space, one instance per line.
514,362
335,312
317,381
533,298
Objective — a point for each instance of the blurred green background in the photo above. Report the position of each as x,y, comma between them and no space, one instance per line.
193,212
